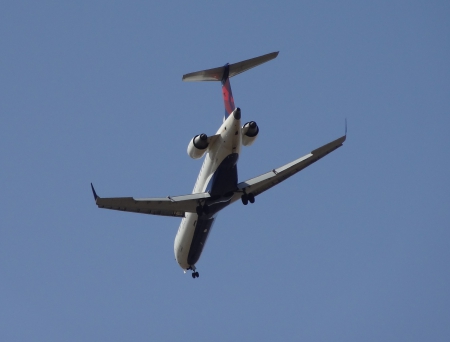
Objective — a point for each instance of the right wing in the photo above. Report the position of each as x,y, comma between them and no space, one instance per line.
264,182
176,206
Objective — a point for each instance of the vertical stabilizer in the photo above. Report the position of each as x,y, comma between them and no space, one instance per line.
228,100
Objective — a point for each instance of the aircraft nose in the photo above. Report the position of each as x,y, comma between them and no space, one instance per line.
237,113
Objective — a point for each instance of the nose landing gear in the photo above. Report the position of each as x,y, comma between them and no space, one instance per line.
194,273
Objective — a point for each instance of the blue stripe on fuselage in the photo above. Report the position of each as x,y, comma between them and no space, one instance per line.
225,178
201,233
221,187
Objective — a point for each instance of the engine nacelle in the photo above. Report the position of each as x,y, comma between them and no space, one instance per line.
249,133
198,146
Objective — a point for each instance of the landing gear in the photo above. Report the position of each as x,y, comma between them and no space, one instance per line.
195,273
248,198
199,210
202,210
251,198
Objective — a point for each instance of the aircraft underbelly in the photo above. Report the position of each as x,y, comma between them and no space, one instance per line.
201,234
183,239
218,177
194,230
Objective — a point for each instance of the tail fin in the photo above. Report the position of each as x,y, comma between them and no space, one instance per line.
224,73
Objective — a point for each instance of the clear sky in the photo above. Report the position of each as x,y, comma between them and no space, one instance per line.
354,248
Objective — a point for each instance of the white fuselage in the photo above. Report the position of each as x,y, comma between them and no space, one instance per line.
229,142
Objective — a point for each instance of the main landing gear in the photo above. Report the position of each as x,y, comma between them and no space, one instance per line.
194,273
248,198
202,210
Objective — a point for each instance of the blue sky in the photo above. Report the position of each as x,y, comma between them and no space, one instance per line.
354,248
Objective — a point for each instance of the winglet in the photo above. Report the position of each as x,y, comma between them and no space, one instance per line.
93,191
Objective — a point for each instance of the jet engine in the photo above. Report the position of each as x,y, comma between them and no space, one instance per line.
198,146
249,133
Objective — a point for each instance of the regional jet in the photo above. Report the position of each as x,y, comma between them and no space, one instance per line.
217,184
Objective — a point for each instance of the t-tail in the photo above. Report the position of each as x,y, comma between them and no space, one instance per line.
223,75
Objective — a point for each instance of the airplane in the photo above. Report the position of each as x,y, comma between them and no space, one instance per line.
217,184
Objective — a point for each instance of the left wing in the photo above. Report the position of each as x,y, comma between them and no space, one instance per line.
176,206
264,182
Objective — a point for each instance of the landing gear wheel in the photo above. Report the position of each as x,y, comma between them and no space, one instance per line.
193,275
244,199
197,275
251,198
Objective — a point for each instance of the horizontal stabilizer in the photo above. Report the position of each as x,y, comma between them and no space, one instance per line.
216,74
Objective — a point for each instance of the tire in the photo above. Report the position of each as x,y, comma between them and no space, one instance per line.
244,199
251,198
